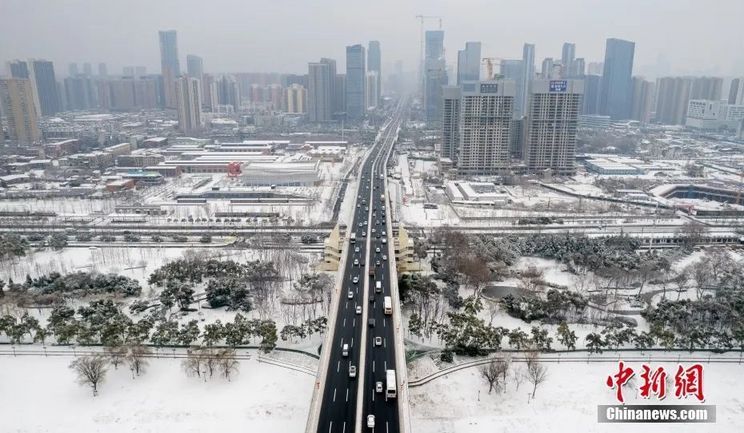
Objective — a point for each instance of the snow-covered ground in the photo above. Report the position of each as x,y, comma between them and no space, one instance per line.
566,402
40,394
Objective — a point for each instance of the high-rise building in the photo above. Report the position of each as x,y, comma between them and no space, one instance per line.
568,56
87,69
552,119
672,96
546,71
374,64
528,74
468,62
617,85
209,92
169,65
511,69
595,68
80,93
188,102
16,100
194,66
102,70
340,99
451,96
356,86
708,88
296,97
228,92
642,102
592,88
373,91
484,127
43,83
336,100
435,74
579,67
320,102
72,70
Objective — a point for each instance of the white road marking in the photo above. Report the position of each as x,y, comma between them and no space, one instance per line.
373,366
373,395
344,322
385,364
334,394
352,342
330,426
338,367
347,395
386,427
384,342
353,322
346,306
384,322
344,430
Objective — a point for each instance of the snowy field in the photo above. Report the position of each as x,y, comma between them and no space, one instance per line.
40,395
566,402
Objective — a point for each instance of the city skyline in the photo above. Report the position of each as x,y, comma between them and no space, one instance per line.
665,44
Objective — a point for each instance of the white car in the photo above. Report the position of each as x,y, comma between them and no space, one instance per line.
371,421
351,294
377,250
378,387
378,341
352,371
356,262
384,257
355,280
356,249
359,309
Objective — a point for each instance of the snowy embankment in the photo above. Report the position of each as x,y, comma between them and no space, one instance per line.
566,402
40,395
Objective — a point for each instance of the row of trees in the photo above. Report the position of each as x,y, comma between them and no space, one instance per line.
496,373
101,322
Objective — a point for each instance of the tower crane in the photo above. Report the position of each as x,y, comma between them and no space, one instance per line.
489,61
421,19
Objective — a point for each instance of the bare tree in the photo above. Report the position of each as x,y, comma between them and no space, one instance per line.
491,374
227,363
137,359
116,355
90,370
194,363
536,372
518,376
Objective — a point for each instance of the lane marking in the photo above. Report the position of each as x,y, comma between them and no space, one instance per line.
347,395
385,364
353,322
344,430
334,394
344,322
384,342
352,342
330,426
338,367
373,366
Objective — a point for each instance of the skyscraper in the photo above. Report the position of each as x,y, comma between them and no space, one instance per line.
188,103
373,91
87,69
340,99
568,56
643,96
356,86
102,71
468,62
320,102
228,92
483,127
16,100
617,87
169,66
523,84
552,124
72,70
194,66
43,83
673,95
374,64
546,71
336,92
80,93
296,97
592,88
435,74
736,92
450,122
511,69
209,92
579,67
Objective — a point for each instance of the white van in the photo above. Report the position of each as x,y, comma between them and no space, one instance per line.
345,350
378,286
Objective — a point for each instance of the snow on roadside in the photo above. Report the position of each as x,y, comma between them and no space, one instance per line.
566,402
42,396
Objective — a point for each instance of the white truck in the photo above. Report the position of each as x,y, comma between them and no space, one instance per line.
390,384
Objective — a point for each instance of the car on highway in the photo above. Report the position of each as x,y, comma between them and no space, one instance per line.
356,249
377,250
384,257
351,294
352,371
360,224
384,233
345,349
377,263
378,341
373,230
370,421
355,280
378,387
384,240
371,323
356,262
359,309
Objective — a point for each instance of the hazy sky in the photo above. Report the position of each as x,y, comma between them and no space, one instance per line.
672,36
